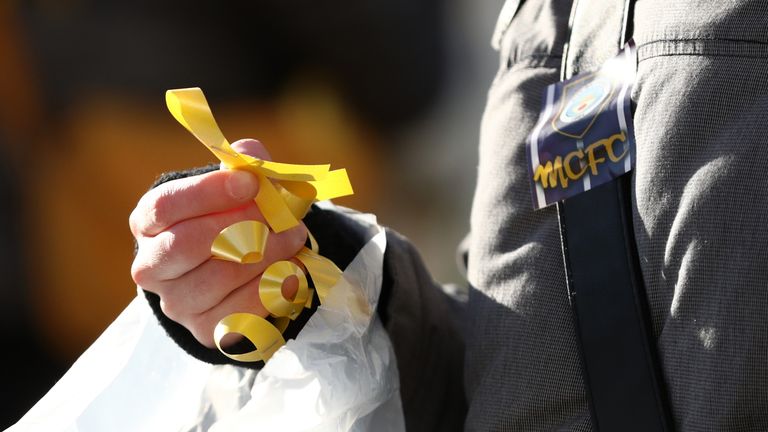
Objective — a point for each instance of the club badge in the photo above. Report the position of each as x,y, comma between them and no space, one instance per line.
584,136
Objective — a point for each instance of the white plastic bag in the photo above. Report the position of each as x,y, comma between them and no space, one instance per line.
338,375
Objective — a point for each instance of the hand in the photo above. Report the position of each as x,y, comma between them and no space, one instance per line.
174,225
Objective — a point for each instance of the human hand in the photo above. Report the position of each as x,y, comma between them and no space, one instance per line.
174,225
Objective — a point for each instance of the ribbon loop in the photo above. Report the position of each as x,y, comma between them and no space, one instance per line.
263,335
271,290
243,242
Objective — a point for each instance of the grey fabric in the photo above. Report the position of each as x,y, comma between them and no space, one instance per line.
700,192
522,365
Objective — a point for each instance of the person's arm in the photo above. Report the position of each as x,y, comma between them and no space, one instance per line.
421,320
424,324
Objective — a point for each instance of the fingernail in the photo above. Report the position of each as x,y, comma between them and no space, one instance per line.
242,185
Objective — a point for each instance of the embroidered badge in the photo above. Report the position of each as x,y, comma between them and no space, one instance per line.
584,136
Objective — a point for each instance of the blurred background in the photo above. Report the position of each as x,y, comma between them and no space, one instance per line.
391,90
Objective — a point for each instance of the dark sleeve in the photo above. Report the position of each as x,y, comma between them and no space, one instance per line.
424,324
422,321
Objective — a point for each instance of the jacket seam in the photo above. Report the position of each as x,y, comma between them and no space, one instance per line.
707,47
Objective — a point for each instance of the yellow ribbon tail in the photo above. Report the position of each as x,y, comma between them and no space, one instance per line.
336,184
263,335
275,210
298,196
190,108
324,273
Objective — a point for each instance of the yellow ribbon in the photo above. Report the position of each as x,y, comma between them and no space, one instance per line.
283,203
242,242
271,290
297,186
323,271
264,336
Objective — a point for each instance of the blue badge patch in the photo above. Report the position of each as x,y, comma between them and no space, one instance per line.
584,136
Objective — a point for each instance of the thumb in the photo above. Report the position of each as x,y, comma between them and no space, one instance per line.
252,147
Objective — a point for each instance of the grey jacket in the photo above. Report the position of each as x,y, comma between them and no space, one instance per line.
700,194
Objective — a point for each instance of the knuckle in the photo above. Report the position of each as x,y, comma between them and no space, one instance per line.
152,258
139,272
160,210
142,269
141,218
134,222
252,147
166,244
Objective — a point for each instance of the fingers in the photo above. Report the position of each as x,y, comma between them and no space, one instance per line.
252,147
187,198
243,299
190,197
187,245
202,287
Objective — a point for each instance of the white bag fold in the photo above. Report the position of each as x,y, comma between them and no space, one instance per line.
338,375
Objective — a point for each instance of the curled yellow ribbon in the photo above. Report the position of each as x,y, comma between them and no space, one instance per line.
286,192
271,290
242,242
264,336
323,271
